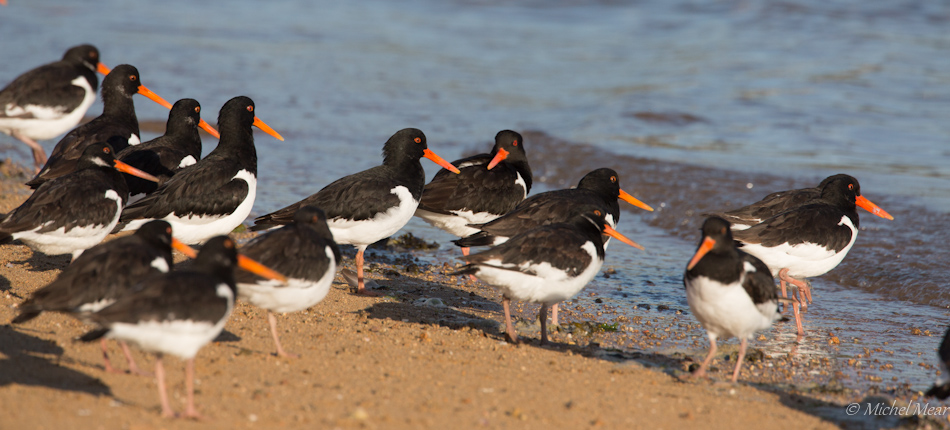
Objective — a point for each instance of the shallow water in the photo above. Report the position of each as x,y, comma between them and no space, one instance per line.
700,106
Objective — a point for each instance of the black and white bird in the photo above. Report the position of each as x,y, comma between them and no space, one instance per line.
811,239
175,313
774,204
163,156
941,389
730,292
215,195
117,120
72,213
103,274
599,187
304,252
365,207
51,99
547,264
489,186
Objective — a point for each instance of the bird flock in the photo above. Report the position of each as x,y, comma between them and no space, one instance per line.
101,179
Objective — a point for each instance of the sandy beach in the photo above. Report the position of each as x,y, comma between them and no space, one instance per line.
429,354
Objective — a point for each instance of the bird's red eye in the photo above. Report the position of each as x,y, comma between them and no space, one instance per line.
197,109
229,244
515,143
418,140
722,230
168,230
613,179
597,213
105,150
250,108
850,186
133,78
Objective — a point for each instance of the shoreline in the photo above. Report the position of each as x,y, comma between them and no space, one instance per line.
408,361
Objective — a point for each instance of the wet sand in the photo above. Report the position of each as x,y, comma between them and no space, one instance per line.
401,361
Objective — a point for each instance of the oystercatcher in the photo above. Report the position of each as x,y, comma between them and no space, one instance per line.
941,389
215,195
101,275
730,292
304,252
774,204
365,207
51,99
73,212
600,187
811,239
117,119
175,313
547,264
489,186
178,148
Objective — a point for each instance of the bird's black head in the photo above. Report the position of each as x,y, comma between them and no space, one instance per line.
86,55
99,154
158,233
122,81
841,190
585,215
408,144
310,215
716,239
718,229
184,111
603,181
237,113
510,141
218,256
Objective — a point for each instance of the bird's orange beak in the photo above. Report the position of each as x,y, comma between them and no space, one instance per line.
184,249
266,128
625,196
499,157
609,231
125,168
704,248
440,161
872,208
259,269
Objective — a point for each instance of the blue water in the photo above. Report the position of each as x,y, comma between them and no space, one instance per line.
759,95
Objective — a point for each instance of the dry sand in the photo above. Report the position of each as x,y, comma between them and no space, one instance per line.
389,363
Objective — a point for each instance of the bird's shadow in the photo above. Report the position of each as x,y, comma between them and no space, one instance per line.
39,262
33,361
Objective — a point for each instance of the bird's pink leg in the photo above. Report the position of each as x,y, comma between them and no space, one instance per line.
360,287
512,336
190,410
701,372
39,155
742,347
167,411
133,368
272,320
107,364
554,314
543,317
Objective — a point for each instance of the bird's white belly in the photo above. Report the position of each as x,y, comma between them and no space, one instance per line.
74,240
550,285
803,260
727,310
383,225
48,121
